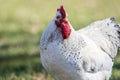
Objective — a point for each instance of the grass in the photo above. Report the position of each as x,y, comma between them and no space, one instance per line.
22,23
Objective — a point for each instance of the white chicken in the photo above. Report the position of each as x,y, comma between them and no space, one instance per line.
86,54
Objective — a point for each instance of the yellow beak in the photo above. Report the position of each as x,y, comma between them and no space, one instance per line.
65,19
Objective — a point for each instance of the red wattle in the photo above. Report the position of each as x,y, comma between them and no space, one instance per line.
65,29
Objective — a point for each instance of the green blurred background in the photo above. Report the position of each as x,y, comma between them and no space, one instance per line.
22,23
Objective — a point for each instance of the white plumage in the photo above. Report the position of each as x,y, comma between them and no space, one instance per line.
87,54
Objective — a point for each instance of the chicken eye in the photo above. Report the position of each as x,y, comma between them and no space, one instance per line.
58,17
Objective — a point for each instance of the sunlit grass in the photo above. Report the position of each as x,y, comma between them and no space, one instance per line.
22,23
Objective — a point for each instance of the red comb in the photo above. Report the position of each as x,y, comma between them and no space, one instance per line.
62,11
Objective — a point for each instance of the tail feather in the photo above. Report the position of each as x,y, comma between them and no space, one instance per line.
118,32
106,34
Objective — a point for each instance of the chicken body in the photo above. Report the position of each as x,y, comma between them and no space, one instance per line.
86,55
